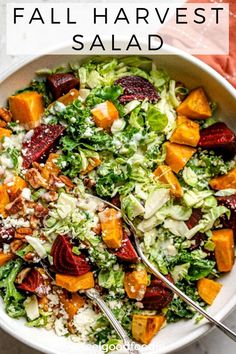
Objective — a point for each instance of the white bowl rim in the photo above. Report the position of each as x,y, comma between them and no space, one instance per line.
228,308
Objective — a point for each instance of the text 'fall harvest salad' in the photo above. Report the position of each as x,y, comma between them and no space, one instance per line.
123,130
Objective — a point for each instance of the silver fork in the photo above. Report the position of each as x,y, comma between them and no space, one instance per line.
94,295
169,284
129,345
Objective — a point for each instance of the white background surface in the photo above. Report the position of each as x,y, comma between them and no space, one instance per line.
213,343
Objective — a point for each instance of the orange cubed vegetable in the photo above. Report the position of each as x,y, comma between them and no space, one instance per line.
27,108
50,168
75,283
5,257
5,132
186,132
69,97
4,199
166,176
145,327
208,290
196,105
224,249
178,155
111,225
93,164
104,114
71,303
16,186
225,181
135,284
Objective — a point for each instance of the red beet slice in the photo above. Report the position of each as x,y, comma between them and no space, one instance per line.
191,222
43,138
230,203
137,88
194,218
59,84
220,138
198,239
157,295
33,282
6,235
65,261
126,252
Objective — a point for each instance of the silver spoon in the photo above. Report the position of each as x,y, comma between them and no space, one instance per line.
169,284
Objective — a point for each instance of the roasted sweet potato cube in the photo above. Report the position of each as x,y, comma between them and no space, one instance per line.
5,257
135,284
111,225
69,97
74,283
15,187
104,114
4,132
178,155
93,164
145,327
27,108
4,199
196,105
186,132
166,176
225,181
208,290
71,304
224,249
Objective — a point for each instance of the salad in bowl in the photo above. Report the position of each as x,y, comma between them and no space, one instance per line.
122,130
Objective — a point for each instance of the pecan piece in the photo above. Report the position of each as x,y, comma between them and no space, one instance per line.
40,211
24,231
50,196
66,180
3,124
35,179
5,114
17,206
16,245
34,221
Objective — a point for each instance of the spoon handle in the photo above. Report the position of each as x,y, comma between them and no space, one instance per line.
182,295
128,343
168,283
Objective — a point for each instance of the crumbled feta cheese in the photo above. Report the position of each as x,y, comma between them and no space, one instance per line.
59,107
28,135
6,248
60,328
6,161
53,299
26,193
88,132
84,321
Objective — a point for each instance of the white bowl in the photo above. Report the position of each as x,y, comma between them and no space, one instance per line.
193,72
